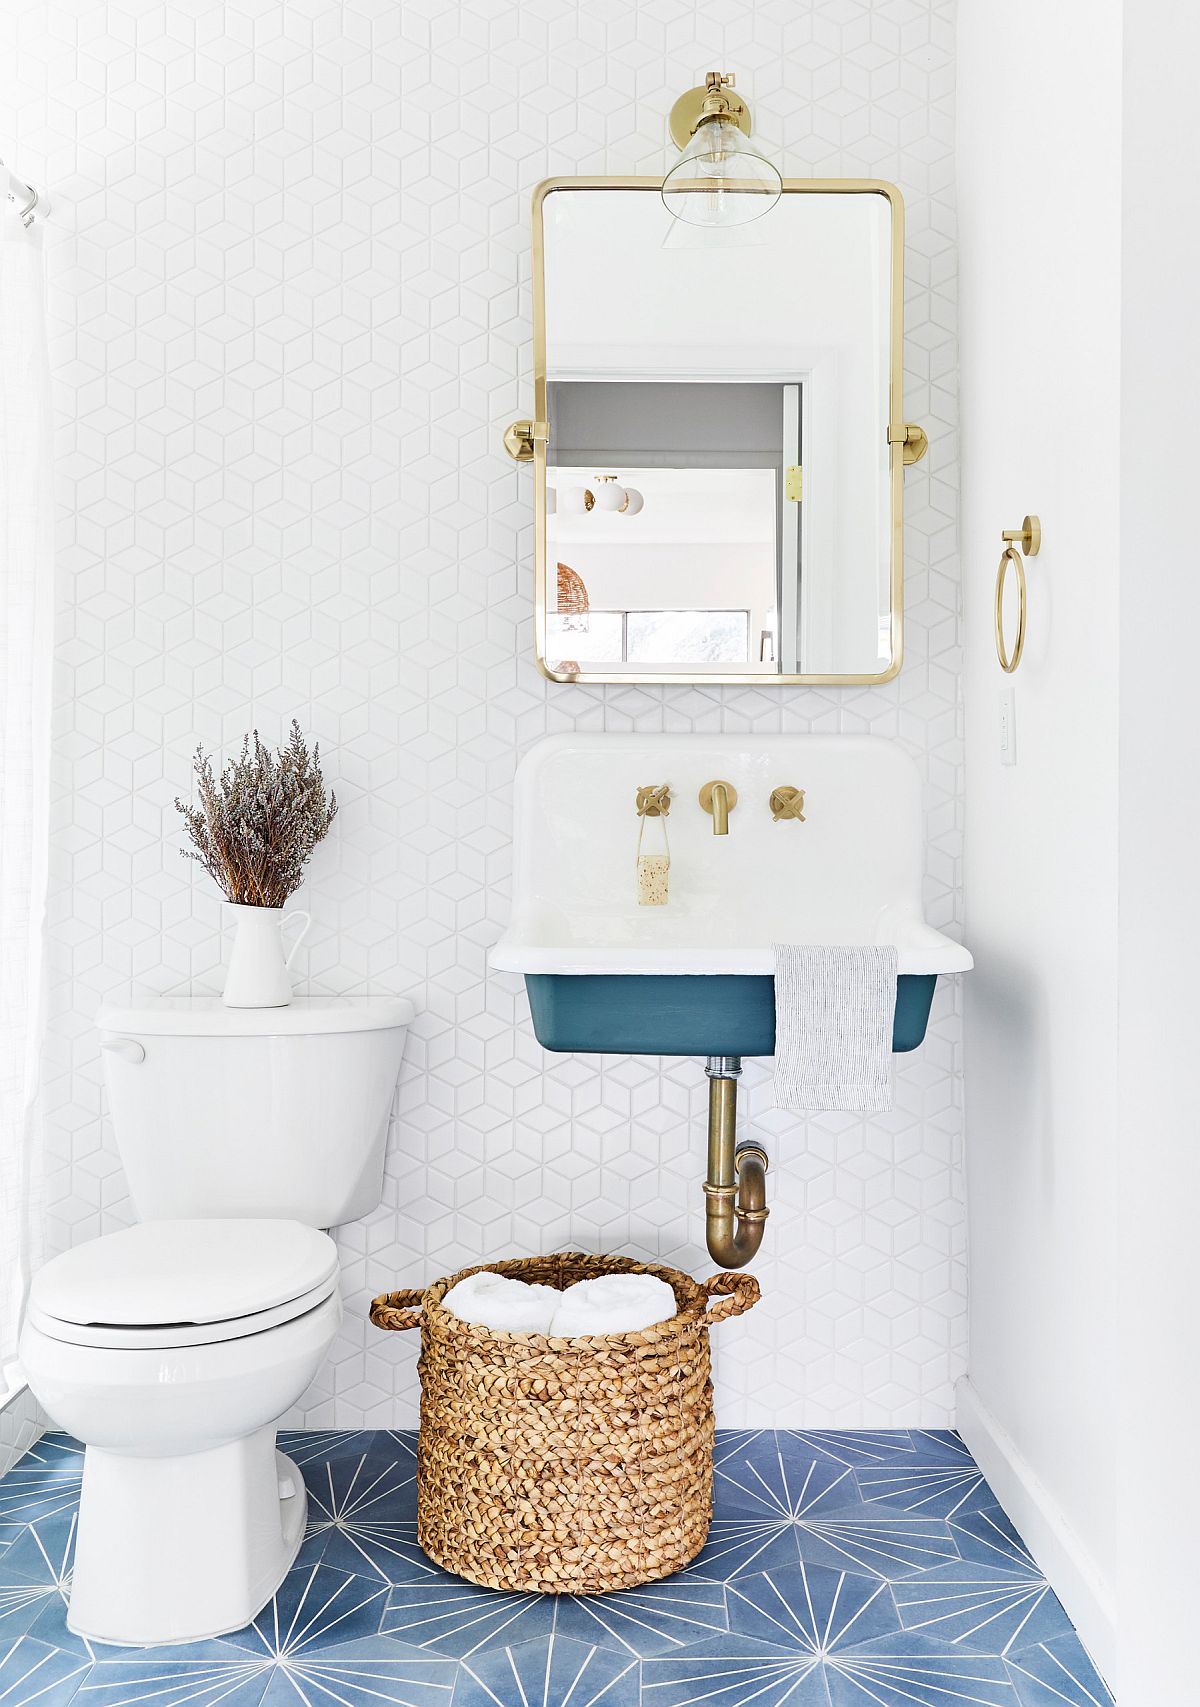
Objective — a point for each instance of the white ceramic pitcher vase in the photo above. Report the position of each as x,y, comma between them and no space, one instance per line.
258,968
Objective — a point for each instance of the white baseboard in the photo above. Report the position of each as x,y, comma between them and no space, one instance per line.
22,1421
1069,1568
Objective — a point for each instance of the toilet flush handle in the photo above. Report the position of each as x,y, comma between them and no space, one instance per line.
128,1048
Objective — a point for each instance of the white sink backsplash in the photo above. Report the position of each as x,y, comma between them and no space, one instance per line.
851,873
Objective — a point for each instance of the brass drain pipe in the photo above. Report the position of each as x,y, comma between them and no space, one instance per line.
735,1192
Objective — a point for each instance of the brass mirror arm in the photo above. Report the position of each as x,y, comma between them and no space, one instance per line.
914,439
521,436
735,1192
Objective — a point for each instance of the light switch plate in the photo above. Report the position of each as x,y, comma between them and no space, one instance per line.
1008,724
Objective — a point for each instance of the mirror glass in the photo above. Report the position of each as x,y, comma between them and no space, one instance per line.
718,500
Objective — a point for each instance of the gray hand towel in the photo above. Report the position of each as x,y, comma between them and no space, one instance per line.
834,1009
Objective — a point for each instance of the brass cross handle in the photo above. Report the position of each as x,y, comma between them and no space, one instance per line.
654,801
787,803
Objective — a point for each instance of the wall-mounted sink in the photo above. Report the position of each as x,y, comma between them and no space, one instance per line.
695,977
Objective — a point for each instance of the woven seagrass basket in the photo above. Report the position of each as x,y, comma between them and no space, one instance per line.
566,1466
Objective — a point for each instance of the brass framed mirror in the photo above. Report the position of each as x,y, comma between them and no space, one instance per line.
718,441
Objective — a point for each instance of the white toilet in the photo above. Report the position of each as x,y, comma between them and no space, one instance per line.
173,1348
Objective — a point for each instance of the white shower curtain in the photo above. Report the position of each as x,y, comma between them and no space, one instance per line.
26,646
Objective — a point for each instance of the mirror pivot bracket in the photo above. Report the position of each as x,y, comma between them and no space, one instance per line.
521,436
914,439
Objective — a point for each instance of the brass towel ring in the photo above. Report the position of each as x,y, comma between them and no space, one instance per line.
1029,537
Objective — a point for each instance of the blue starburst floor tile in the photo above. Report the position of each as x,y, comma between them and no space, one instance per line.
732,1441
853,1447
926,1490
978,1606
315,1608
809,1607
744,1544
865,1569
456,1617
32,1671
35,1583
374,1672
780,1478
550,1672
45,1483
362,1516
640,1621
205,1674
736,1672
318,1447
939,1445
1058,1673
887,1546
986,1536
913,1671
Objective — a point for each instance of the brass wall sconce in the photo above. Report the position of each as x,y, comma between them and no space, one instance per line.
720,178
1029,538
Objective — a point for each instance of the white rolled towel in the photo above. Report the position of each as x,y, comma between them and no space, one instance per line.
494,1301
613,1304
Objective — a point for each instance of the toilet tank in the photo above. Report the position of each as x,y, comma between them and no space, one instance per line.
279,1112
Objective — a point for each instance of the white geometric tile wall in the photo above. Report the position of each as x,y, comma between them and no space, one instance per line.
289,287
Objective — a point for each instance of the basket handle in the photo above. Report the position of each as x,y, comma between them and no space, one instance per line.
398,1309
737,1293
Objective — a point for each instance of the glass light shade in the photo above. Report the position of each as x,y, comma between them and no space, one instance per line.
720,179
551,501
608,495
633,501
571,501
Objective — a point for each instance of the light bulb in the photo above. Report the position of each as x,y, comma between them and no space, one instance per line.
720,178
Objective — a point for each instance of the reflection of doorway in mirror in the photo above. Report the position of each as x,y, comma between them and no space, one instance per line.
714,359
689,584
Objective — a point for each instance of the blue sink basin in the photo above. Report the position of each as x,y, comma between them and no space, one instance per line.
682,1014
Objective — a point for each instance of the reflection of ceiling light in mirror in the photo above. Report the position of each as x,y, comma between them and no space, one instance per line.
606,494
720,178
572,500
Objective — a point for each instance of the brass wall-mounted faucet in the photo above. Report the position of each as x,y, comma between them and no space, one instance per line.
719,798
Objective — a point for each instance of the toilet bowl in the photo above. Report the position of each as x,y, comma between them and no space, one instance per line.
171,1349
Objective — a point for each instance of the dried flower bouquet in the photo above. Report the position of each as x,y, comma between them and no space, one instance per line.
258,822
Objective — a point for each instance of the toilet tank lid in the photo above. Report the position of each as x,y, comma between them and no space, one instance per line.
183,1272
207,1016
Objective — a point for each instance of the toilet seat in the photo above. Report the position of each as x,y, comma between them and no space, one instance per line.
183,1283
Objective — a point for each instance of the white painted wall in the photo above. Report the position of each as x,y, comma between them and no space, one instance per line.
1039,93
1159,815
